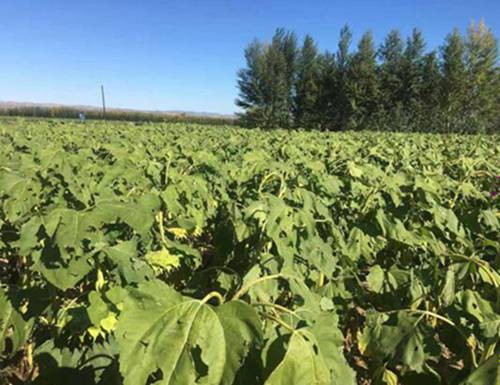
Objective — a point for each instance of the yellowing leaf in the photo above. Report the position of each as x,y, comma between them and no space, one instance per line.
94,332
108,323
163,258
389,377
100,281
354,170
362,342
197,231
178,232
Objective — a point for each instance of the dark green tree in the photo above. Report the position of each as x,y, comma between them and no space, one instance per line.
483,88
400,87
454,83
327,91
412,78
307,85
362,85
289,49
251,97
266,84
430,93
391,80
342,109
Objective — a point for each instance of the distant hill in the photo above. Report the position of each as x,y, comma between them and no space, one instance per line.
4,105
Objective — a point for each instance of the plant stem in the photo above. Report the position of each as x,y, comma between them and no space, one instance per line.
279,321
277,307
244,289
211,295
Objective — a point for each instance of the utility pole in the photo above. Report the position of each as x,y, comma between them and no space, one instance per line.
103,102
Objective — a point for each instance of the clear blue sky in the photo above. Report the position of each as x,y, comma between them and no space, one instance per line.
183,55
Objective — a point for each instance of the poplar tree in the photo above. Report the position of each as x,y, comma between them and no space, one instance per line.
412,82
430,93
362,85
266,84
307,85
341,104
399,87
482,103
454,83
327,89
285,47
252,97
391,80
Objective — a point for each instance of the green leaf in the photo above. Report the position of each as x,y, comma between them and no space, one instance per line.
10,183
375,278
130,267
486,374
141,215
69,228
490,219
331,343
448,292
354,170
402,339
92,365
413,352
28,238
63,274
12,326
163,259
474,304
358,245
182,337
123,251
97,309
242,332
303,363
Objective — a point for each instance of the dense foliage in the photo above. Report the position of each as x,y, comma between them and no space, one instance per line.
176,254
397,87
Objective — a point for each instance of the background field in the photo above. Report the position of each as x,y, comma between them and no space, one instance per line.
213,254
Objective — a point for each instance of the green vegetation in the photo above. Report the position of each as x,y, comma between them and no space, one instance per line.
189,254
397,87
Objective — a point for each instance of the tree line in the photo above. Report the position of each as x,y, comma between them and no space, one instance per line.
397,86
64,112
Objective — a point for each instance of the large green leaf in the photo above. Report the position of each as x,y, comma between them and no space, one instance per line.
182,337
331,343
303,363
402,338
242,332
486,374
12,326
62,274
